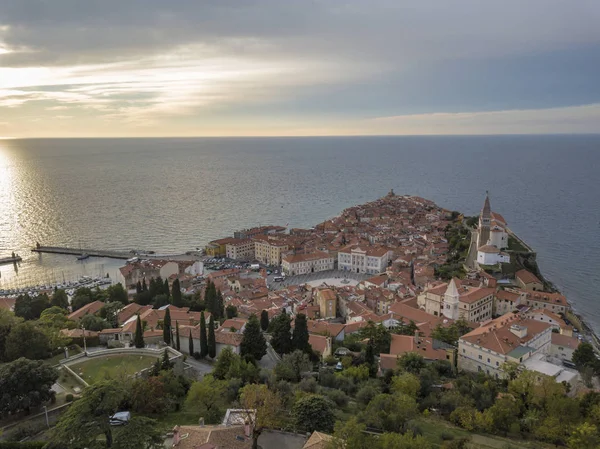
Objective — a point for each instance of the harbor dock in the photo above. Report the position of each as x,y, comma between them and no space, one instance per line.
112,254
14,259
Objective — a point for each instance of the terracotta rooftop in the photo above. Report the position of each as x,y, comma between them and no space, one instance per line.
402,344
527,277
89,309
317,440
217,437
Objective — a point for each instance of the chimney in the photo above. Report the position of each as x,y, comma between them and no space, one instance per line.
176,436
519,331
417,340
247,430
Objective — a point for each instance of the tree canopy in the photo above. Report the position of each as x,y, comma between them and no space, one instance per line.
253,341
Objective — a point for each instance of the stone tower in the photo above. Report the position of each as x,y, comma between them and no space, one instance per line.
451,299
485,219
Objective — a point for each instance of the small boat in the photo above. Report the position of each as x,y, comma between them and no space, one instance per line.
83,256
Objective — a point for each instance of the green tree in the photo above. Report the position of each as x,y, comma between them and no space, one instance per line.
314,412
300,334
203,337
167,327
264,320
25,384
209,394
27,340
177,343
148,395
30,308
160,300
406,383
60,299
92,412
503,414
219,306
253,341
212,344
139,334
176,293
406,441
231,312
138,288
224,362
370,358
411,362
351,435
191,344
390,412
264,408
585,436
94,323
380,336
116,293
144,285
292,366
166,364
7,321
110,312
281,333
582,356
166,291
405,328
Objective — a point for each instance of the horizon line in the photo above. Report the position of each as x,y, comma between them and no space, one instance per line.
299,136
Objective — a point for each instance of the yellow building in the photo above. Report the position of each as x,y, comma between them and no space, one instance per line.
269,251
327,301
218,248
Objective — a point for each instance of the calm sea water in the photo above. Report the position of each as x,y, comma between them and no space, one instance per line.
172,195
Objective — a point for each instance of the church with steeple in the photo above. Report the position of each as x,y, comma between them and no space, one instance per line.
492,236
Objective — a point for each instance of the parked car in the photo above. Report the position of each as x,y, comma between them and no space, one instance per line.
120,418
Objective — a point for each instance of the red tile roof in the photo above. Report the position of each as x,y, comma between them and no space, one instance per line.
89,309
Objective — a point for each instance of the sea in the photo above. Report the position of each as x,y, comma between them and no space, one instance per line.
172,195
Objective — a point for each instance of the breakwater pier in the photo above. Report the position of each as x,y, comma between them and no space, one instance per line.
111,254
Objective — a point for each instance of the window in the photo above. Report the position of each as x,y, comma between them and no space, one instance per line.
488,360
497,363
480,358
464,350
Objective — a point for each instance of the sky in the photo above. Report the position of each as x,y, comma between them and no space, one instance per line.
100,68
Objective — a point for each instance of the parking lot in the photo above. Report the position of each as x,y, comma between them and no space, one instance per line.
335,275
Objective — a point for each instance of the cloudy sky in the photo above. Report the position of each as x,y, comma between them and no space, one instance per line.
298,67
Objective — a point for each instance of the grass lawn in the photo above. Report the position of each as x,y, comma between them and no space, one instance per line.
433,429
95,369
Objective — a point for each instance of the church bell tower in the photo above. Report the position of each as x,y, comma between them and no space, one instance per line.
485,220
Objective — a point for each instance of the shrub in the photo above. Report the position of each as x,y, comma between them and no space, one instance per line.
446,436
308,385
197,355
69,398
23,445
338,397
113,344
24,431
413,427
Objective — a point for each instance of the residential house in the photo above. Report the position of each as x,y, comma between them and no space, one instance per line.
327,301
89,309
327,328
528,281
457,300
563,346
509,338
240,249
269,250
318,440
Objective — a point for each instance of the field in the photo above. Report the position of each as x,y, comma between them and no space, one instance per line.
96,369
434,429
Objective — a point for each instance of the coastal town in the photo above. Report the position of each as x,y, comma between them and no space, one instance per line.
383,282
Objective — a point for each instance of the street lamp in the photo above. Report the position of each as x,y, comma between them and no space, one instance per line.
84,343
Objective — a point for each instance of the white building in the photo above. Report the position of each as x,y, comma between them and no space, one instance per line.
293,264
491,255
498,237
509,338
371,260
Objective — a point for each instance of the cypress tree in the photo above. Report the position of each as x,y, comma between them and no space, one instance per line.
203,340
138,287
166,363
191,344
220,307
300,334
210,297
370,358
212,345
176,294
139,334
264,320
167,327
177,346
281,334
253,342
166,288
144,286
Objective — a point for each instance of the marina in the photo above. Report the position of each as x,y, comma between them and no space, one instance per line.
68,286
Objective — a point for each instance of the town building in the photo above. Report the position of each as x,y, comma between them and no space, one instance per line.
294,264
491,255
370,259
506,301
509,338
456,300
528,281
554,302
429,348
327,302
137,270
260,230
240,249
218,248
563,346
269,251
